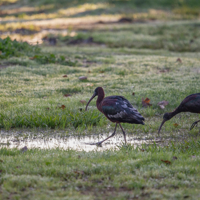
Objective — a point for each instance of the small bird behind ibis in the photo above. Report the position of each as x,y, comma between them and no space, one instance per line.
190,104
117,109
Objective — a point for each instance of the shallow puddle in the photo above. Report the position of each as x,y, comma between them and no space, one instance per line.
83,143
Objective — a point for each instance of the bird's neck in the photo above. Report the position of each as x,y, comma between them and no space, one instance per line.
100,97
173,113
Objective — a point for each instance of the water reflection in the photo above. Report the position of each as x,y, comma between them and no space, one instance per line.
63,142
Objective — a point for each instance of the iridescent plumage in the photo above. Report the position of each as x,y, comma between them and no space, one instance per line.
117,109
190,104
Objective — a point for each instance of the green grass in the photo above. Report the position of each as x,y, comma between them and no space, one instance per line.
123,173
123,58
32,94
9,48
172,36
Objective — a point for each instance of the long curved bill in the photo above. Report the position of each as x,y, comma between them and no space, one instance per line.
89,101
161,126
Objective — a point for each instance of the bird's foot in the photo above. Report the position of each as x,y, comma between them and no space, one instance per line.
90,143
125,145
193,125
99,144
158,138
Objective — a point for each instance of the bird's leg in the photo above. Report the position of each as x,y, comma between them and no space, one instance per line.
194,124
99,143
123,133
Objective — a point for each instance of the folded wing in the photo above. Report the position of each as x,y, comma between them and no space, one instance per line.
119,109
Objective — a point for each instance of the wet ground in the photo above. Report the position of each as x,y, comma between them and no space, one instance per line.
43,140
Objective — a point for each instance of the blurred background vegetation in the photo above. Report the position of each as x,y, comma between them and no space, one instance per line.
185,7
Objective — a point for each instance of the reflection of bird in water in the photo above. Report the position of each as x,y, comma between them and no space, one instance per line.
117,109
190,104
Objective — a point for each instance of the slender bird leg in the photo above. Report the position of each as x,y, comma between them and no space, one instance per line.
194,124
99,143
123,132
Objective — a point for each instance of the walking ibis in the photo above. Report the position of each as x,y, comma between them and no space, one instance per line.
190,104
117,109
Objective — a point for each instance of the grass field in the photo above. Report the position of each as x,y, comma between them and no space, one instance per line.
124,173
149,50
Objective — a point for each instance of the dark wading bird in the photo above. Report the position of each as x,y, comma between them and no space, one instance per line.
117,109
190,104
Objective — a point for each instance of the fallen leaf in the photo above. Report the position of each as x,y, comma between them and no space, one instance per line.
78,172
164,70
83,101
32,58
24,149
193,156
83,78
162,107
90,84
133,93
191,41
65,75
174,158
162,104
67,95
142,150
146,102
62,107
179,60
166,161
175,125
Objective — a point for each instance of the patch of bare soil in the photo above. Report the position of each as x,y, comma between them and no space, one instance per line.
24,31
88,40
126,20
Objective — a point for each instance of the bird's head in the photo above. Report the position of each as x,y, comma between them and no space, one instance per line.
96,92
166,117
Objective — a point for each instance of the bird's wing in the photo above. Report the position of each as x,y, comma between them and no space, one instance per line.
121,100
119,108
191,103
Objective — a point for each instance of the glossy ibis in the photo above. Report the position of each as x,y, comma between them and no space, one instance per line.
190,104
117,109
